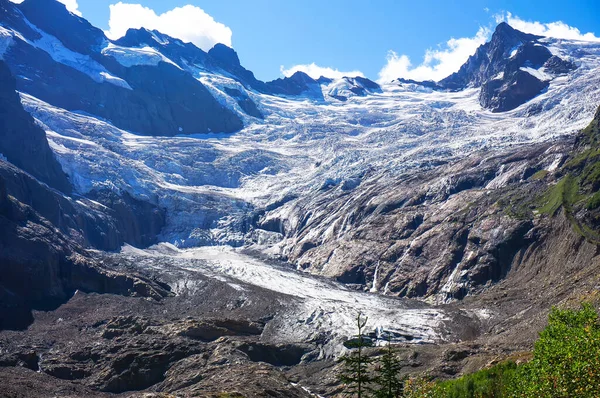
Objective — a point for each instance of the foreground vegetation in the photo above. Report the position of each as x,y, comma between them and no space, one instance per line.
565,364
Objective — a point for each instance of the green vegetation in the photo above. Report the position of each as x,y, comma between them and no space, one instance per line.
539,175
490,383
387,374
565,364
578,191
593,202
564,194
566,361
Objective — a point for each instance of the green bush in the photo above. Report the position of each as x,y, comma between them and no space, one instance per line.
565,364
488,383
566,358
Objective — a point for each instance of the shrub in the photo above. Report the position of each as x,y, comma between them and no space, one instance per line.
566,358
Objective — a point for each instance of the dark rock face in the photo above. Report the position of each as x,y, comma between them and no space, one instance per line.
297,84
358,86
124,219
40,267
245,103
559,66
23,142
52,17
428,84
516,86
137,222
366,83
171,47
227,59
502,95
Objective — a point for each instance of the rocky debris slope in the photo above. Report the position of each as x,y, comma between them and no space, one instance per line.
205,340
41,267
440,234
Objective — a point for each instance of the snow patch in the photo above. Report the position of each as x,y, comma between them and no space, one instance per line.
129,56
538,73
117,81
6,40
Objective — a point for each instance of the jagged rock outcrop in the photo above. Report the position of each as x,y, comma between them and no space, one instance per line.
500,95
511,69
227,59
347,87
489,59
297,84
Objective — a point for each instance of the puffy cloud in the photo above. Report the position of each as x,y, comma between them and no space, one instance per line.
558,29
315,71
437,63
70,4
188,23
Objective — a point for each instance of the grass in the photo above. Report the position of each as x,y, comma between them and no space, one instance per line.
564,194
594,201
539,175
490,382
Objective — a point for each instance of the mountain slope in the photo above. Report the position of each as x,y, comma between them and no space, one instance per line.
63,60
24,143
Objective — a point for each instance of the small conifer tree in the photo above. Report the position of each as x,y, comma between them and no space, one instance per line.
355,372
387,374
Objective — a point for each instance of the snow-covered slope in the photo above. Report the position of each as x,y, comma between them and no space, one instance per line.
293,145
212,184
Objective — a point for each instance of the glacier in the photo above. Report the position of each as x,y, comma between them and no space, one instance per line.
210,184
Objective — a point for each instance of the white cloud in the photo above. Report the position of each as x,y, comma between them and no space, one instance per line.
70,4
558,29
315,71
188,23
437,63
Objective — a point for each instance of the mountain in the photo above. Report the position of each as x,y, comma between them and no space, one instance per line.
346,87
171,224
82,70
511,69
489,59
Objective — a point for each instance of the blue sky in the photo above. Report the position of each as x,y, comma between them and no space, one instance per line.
351,35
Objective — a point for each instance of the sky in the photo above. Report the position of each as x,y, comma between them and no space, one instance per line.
379,39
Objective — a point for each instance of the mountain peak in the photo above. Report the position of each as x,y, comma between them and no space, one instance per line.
224,55
507,37
51,16
504,27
